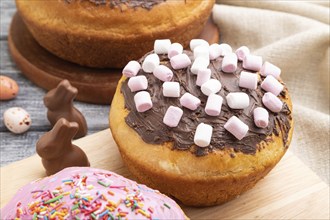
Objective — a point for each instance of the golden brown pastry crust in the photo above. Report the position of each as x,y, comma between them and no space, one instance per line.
197,181
84,33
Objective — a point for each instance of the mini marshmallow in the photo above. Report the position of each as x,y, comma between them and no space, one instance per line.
203,76
236,127
171,89
270,69
180,61
202,51
225,49
238,100
203,135
270,84
272,102
229,63
248,80
197,42
261,117
211,86
137,83
213,105
199,63
131,69
175,49
215,51
163,73
242,52
150,63
189,101
172,116
142,101
162,46
252,62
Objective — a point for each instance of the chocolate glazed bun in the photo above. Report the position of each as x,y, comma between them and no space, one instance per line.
167,158
107,33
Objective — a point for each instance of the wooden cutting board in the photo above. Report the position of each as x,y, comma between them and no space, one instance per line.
290,191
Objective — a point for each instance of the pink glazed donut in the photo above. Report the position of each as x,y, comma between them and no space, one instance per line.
89,193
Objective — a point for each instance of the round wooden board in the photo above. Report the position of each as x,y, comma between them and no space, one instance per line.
46,70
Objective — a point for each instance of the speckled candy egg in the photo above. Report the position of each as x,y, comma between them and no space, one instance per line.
17,120
8,88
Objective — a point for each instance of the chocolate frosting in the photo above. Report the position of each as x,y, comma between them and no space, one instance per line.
146,4
149,125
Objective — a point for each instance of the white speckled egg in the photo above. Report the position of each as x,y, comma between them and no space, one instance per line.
17,120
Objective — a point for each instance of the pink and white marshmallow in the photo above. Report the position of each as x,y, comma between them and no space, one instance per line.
211,86
215,51
199,63
242,52
252,62
229,63
270,84
162,46
202,51
142,101
272,102
203,135
131,69
197,42
172,116
180,61
203,75
171,89
137,83
190,101
248,80
213,105
163,73
236,127
238,100
150,63
175,49
225,49
261,117
270,69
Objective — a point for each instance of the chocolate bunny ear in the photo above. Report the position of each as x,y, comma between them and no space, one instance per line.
65,130
65,85
63,92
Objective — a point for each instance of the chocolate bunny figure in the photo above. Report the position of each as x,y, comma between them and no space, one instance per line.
56,148
59,102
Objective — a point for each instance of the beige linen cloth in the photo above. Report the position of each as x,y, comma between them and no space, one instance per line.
293,35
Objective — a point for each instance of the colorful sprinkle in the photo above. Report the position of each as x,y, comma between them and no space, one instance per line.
103,184
75,207
167,206
54,199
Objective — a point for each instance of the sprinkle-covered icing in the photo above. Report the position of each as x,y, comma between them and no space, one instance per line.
88,193
149,124
121,4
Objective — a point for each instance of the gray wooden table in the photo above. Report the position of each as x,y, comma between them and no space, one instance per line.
16,147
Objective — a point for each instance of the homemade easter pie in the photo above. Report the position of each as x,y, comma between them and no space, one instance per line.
109,33
201,127
89,193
